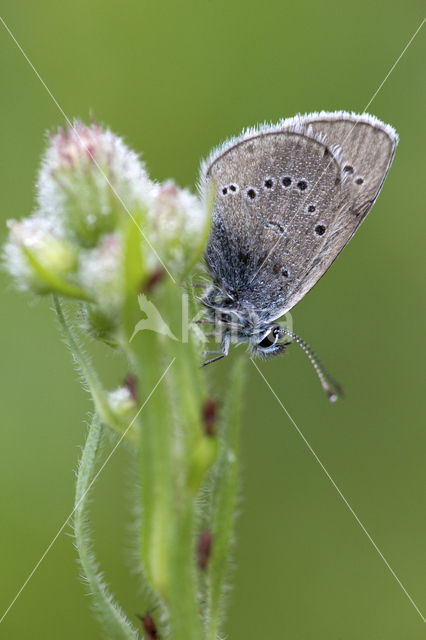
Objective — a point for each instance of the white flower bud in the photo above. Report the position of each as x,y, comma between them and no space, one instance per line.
101,274
122,403
38,257
89,180
177,218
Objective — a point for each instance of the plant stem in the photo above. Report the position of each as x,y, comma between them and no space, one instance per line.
175,455
90,376
156,455
113,618
224,492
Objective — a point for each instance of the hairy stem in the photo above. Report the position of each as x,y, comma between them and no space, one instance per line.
116,625
175,455
224,492
90,376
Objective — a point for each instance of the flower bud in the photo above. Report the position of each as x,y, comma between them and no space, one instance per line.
39,258
122,403
90,181
177,220
101,275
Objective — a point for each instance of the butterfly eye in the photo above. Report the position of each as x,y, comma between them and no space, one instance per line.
270,343
269,339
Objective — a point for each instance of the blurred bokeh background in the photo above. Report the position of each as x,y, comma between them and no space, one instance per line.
175,78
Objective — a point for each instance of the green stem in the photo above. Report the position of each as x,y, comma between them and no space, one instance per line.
224,492
185,623
173,464
156,453
113,618
194,455
90,376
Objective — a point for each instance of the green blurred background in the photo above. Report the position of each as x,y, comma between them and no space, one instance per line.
175,78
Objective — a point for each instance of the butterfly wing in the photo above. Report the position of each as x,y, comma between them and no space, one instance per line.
286,204
367,147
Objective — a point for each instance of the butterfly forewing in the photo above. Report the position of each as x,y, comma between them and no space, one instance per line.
287,202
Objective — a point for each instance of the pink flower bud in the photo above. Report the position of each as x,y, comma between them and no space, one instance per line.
90,181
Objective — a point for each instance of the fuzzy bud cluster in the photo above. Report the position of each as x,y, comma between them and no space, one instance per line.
90,188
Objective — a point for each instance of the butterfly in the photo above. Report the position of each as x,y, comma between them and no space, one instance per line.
287,198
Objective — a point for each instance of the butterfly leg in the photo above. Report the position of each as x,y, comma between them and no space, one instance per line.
222,355
226,341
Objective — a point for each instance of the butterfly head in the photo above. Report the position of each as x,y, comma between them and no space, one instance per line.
234,324
265,338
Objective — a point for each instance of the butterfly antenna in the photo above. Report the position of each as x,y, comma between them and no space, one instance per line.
330,386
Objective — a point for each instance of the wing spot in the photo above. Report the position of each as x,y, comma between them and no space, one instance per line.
268,183
326,152
311,208
286,181
244,257
233,187
277,269
348,168
320,229
302,185
359,181
251,193
225,190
